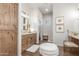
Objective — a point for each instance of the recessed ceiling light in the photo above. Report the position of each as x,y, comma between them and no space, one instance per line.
46,9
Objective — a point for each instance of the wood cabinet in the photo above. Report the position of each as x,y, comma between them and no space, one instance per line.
8,28
8,14
74,38
8,42
28,40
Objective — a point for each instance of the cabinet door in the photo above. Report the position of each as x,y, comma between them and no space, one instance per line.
8,28
13,14
7,43
13,42
32,39
4,43
8,16
25,42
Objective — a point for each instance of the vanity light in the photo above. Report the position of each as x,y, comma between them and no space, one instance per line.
74,14
32,30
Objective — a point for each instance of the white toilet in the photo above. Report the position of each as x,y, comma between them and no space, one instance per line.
48,49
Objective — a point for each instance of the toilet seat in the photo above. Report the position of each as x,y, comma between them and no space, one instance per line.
48,46
48,49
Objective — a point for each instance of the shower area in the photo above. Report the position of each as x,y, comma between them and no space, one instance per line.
46,23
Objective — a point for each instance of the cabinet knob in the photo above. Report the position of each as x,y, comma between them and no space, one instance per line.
31,38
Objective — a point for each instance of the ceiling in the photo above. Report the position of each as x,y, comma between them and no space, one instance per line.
46,8
42,7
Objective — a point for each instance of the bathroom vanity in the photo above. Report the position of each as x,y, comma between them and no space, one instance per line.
28,40
74,38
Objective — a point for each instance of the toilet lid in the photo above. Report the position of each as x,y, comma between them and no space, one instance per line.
48,46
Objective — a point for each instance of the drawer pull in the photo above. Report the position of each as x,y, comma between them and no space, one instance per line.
31,38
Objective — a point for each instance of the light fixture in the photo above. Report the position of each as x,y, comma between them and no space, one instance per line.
46,9
32,30
74,14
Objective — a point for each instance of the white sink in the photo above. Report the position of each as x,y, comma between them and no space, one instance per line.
28,33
